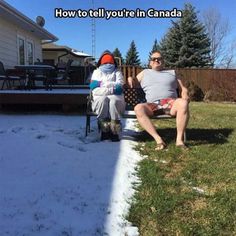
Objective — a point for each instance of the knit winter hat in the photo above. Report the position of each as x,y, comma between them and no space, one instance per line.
107,59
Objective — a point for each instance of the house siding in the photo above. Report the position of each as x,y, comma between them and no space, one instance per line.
8,43
8,46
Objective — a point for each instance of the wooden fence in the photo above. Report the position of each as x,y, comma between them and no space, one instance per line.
203,78
207,78
130,70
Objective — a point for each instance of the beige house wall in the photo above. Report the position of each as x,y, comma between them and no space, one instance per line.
8,43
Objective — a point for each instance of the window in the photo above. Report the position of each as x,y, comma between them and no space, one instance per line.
21,51
30,57
25,51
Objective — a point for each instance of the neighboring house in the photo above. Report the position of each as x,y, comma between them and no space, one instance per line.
81,66
21,38
54,54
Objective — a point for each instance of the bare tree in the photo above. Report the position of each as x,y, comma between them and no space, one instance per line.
227,61
218,29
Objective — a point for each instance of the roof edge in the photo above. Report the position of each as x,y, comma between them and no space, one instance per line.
13,11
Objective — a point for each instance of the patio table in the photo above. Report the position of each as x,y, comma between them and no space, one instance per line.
30,70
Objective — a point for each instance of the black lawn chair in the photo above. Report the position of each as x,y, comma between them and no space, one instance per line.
38,75
9,80
62,75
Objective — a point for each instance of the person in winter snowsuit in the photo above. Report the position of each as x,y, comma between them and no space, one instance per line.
108,100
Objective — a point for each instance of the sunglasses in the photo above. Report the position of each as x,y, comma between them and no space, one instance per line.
157,59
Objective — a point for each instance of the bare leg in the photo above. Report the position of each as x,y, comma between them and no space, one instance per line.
181,111
143,113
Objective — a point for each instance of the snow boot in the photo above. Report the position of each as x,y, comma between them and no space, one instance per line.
115,130
104,127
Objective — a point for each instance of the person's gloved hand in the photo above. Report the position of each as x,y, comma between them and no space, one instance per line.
107,84
118,90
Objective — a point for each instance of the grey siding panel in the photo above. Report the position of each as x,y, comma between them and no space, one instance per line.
8,43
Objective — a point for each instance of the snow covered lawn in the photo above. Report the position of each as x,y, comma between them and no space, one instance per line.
56,182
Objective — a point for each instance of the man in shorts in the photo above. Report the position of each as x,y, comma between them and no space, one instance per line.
160,87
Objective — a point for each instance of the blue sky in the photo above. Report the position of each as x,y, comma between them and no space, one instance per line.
76,32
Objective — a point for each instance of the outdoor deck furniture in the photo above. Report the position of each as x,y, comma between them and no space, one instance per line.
61,75
133,96
32,71
39,75
9,80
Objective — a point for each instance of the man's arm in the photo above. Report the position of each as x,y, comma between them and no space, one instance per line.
134,82
184,90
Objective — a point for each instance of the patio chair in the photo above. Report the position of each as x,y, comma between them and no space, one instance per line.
62,75
10,79
38,75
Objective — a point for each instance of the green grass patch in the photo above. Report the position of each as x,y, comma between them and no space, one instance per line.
189,192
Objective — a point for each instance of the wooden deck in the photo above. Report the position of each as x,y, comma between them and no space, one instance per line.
75,96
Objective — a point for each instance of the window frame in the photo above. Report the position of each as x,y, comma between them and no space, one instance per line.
26,42
19,37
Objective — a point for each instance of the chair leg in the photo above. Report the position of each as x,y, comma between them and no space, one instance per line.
87,128
20,84
29,84
8,83
3,84
48,83
89,124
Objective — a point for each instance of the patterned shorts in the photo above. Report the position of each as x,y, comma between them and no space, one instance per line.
162,107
